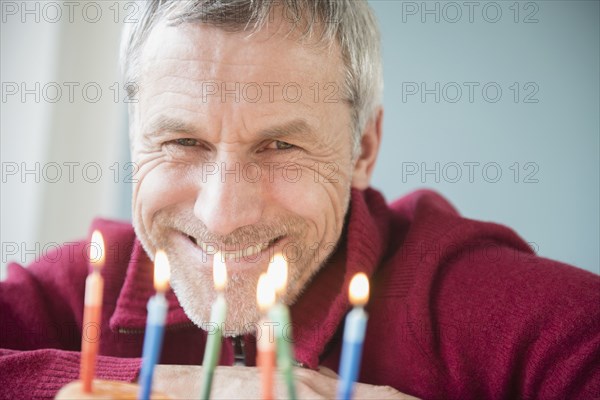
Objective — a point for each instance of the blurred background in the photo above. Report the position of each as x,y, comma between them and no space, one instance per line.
494,104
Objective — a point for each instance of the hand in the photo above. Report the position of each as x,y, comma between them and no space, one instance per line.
185,381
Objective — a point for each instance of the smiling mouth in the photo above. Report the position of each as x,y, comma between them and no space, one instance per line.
246,251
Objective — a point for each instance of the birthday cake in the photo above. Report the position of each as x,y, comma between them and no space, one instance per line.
113,390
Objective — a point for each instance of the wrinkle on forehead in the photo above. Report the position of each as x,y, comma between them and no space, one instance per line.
263,50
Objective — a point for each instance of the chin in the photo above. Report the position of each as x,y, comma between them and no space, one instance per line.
192,275
196,295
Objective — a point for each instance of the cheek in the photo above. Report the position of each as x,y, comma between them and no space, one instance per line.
163,186
318,197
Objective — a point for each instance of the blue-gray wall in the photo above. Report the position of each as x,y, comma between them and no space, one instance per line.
543,137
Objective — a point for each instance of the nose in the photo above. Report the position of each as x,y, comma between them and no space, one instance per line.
227,200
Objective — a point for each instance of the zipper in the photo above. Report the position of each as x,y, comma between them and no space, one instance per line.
239,347
239,351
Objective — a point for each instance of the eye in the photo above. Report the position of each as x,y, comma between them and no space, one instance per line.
279,145
187,142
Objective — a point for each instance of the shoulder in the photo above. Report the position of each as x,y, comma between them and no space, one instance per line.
70,259
114,230
119,238
447,254
486,304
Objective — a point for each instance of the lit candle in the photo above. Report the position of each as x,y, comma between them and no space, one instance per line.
354,335
279,313
212,351
94,285
155,324
265,360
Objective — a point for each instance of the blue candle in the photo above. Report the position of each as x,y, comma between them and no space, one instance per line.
354,335
155,325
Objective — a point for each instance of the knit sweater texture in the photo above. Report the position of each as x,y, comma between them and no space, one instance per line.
459,309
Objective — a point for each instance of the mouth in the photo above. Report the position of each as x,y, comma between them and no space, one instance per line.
239,252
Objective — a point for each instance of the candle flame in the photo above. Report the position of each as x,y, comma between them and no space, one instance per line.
97,250
359,290
265,292
219,272
162,271
278,273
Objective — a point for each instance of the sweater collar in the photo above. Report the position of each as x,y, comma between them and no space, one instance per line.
317,313
130,312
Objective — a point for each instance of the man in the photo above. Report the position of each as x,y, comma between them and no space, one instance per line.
256,131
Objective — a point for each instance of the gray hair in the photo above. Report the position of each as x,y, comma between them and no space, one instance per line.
351,22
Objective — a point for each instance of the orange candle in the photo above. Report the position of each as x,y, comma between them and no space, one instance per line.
265,359
94,285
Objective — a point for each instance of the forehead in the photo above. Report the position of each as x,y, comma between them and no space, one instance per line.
203,52
236,82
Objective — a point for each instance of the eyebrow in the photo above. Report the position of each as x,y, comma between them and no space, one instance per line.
295,129
298,129
162,124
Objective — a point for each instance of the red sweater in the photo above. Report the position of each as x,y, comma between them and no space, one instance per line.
460,309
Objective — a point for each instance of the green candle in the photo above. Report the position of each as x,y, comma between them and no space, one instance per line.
212,351
280,314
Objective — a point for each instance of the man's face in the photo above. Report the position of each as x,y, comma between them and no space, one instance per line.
243,144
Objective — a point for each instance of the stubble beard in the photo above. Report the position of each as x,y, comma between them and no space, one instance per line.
193,283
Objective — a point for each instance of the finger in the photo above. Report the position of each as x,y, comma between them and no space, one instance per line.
314,385
372,392
328,372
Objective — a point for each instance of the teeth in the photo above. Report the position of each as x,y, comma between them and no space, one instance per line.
246,252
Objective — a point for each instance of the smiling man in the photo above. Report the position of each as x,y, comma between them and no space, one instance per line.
256,130
244,165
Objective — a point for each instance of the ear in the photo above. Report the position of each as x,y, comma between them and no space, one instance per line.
369,149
